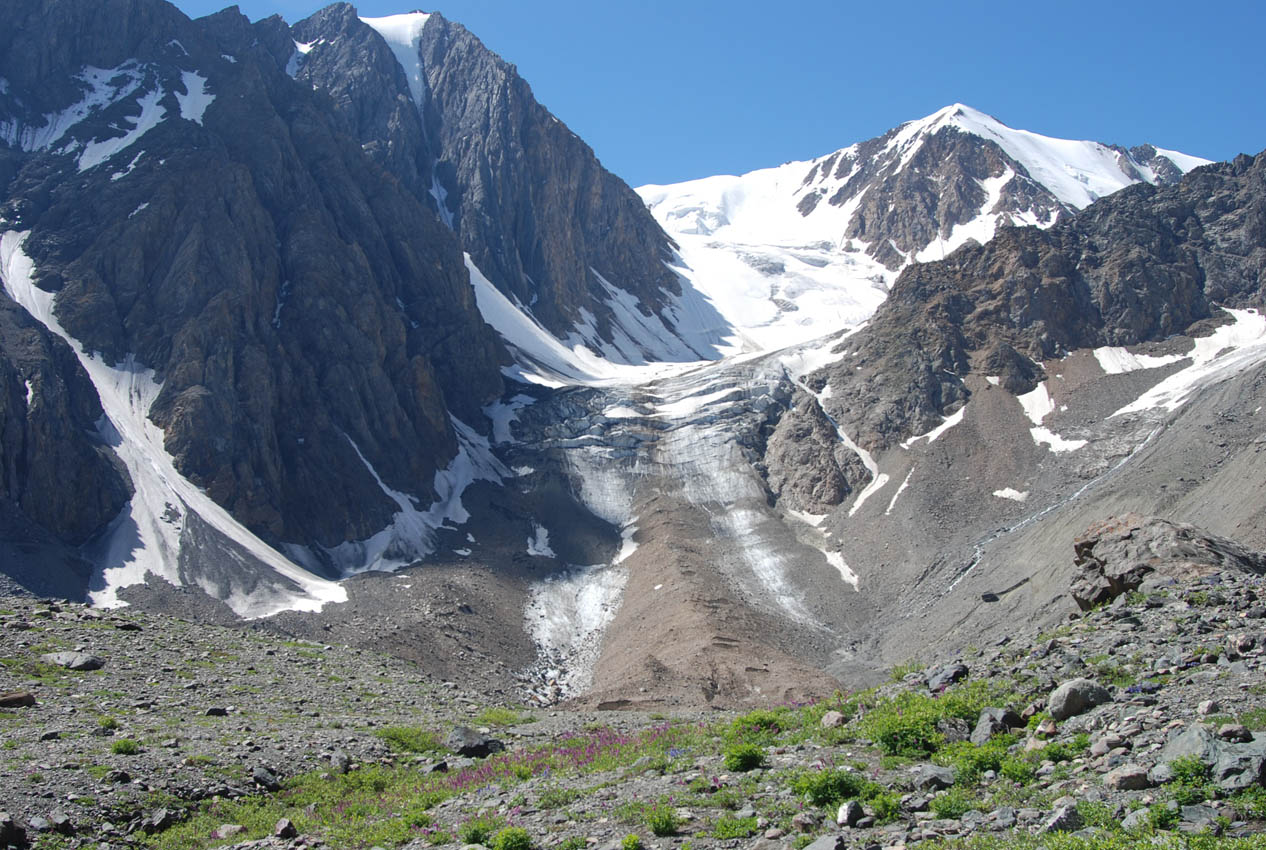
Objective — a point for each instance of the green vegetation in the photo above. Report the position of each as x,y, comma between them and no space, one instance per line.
732,827
479,830
662,819
632,841
1189,784
743,757
906,725
953,803
125,747
512,838
556,796
410,739
497,716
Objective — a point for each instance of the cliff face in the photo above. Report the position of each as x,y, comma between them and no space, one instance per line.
528,199
310,321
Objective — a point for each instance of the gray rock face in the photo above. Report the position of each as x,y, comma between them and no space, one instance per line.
1118,554
1076,697
56,472
301,309
528,199
943,677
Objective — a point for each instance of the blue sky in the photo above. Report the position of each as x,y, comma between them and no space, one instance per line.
668,91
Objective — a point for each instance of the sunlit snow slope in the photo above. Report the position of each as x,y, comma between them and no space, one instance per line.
790,253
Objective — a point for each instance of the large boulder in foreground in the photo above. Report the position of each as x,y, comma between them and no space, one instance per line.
1118,554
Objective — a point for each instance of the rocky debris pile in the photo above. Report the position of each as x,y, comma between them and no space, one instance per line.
1144,715
1123,553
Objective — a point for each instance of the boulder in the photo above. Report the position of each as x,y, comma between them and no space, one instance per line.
1076,697
832,720
467,742
931,777
945,676
849,814
1063,819
266,779
74,660
17,699
994,721
1128,777
11,833
1118,554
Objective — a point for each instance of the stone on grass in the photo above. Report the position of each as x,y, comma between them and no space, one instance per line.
285,829
1064,819
1076,697
74,660
17,699
266,779
467,742
932,777
832,720
994,721
849,814
1128,777
946,676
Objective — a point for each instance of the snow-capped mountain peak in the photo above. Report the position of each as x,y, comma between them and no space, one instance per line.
792,252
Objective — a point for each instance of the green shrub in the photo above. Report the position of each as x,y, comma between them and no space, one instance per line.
662,819
555,797
125,747
632,841
107,723
1018,770
760,725
886,805
577,842
478,830
970,761
953,804
1189,770
1161,816
410,739
498,716
905,725
512,838
743,757
731,827
831,787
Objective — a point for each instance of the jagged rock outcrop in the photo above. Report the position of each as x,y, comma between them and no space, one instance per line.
1120,553
1140,265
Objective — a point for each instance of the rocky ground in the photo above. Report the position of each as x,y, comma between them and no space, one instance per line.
1140,718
